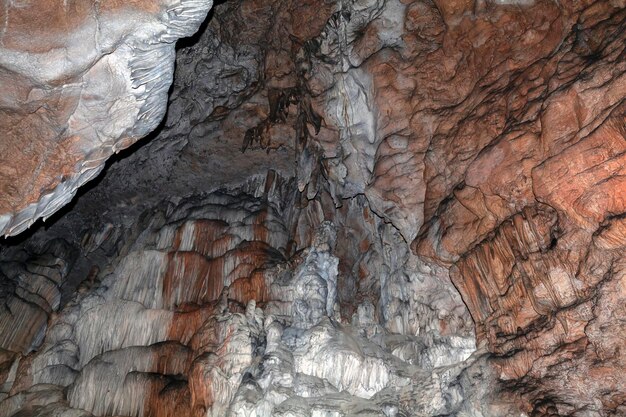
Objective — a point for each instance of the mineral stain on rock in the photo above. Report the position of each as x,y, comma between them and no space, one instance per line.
345,207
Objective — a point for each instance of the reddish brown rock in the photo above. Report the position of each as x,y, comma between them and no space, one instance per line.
488,135
82,80
527,230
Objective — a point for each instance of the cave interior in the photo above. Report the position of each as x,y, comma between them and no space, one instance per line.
313,208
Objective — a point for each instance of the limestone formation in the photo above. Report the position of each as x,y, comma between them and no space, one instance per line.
82,80
352,207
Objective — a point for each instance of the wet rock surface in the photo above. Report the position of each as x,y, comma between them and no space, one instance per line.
391,208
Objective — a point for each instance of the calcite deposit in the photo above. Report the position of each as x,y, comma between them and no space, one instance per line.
351,207
81,80
203,314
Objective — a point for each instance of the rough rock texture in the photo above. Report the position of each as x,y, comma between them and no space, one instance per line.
81,80
201,313
393,208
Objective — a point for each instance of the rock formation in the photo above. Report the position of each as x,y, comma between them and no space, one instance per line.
81,81
351,207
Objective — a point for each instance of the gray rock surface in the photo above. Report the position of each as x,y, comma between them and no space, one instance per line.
385,208
201,312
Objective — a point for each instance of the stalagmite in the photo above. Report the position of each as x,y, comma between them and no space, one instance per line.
345,208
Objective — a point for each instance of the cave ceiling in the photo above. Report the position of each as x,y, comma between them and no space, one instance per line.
313,208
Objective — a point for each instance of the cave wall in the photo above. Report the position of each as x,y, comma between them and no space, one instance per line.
428,192
207,307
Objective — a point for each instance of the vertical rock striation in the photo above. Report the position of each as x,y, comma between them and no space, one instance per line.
386,208
203,312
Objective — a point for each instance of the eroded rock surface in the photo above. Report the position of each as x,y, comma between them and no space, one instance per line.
81,81
204,312
393,208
